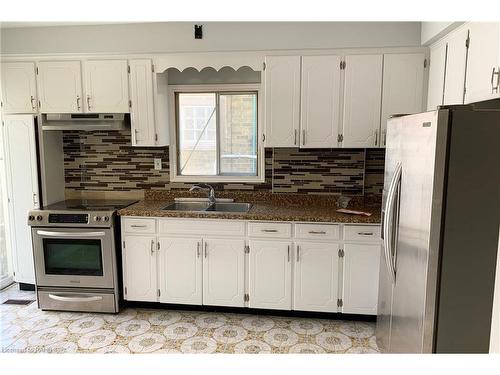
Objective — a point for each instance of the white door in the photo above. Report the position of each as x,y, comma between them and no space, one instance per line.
19,87
223,272
22,190
482,62
362,97
142,115
319,101
106,86
402,86
361,273
180,270
316,276
455,67
139,268
270,272
437,70
282,93
60,86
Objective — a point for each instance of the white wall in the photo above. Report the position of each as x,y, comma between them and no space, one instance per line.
217,36
432,31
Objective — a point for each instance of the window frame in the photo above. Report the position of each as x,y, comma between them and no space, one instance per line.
173,117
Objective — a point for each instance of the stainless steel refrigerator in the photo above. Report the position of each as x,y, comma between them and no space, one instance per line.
441,215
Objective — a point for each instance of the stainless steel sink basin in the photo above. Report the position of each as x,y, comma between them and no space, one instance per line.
229,207
187,206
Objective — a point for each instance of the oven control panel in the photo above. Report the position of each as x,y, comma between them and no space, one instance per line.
43,218
68,218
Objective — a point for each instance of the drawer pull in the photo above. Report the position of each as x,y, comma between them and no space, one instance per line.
317,232
288,253
206,250
270,230
298,253
138,226
365,233
198,249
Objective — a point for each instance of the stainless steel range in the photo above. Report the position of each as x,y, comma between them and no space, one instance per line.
74,247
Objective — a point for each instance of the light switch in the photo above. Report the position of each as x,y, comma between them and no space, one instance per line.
157,164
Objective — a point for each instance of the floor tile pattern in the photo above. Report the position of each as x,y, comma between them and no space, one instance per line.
28,329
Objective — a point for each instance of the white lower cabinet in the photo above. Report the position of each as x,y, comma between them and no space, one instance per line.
316,276
139,268
224,272
360,281
270,274
180,270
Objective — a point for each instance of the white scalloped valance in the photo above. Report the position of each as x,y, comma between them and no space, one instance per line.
213,60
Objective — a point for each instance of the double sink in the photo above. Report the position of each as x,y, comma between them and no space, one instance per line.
217,207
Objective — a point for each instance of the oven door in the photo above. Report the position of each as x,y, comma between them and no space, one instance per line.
74,257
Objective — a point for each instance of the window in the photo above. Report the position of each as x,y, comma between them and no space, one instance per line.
216,134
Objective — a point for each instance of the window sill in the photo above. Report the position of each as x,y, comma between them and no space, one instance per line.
219,179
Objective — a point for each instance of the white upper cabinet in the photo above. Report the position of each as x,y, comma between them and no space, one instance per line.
60,86
19,87
106,86
483,63
456,63
319,100
142,113
270,271
362,97
436,75
402,87
282,95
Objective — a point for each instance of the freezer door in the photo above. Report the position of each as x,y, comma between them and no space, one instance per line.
416,231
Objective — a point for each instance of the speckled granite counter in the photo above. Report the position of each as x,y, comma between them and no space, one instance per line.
264,207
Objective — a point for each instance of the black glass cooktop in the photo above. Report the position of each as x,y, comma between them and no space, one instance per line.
90,204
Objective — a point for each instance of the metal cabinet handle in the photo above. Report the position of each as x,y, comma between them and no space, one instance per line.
33,103
365,233
197,249
288,253
270,230
206,250
376,137
88,102
138,226
303,137
78,102
495,88
152,247
298,253
295,136
135,134
498,79
317,232
35,199
385,137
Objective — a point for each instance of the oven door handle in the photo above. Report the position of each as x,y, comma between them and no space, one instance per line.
75,299
70,234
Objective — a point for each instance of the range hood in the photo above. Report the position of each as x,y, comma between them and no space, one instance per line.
85,121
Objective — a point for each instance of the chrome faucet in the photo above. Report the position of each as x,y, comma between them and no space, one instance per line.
211,192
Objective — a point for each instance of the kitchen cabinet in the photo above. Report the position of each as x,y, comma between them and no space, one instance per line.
270,270
180,270
437,70
223,272
19,87
282,96
106,86
402,86
483,63
22,190
316,276
60,86
362,97
320,101
139,268
360,278
456,64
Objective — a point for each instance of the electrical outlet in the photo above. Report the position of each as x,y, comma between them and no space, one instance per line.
157,164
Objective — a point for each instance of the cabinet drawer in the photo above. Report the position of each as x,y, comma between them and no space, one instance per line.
270,229
139,226
317,231
202,227
362,233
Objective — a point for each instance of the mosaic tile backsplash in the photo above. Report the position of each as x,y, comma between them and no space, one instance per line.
106,161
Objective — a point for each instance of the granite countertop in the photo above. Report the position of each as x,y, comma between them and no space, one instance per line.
269,210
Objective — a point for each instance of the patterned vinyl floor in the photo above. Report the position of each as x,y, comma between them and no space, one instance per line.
25,329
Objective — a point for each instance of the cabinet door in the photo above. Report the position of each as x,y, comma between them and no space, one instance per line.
19,87
60,86
402,86
270,283
316,276
180,270
482,62
139,268
142,115
436,75
362,96
361,273
106,86
319,101
282,88
223,272
22,189
455,67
